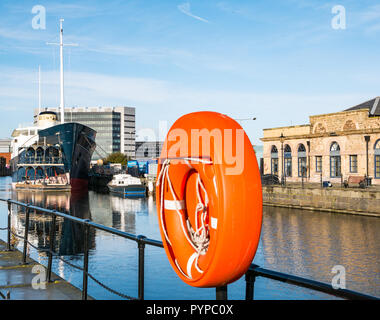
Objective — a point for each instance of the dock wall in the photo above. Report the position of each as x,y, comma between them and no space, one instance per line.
350,201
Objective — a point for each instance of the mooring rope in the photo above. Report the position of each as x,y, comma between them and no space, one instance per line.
199,238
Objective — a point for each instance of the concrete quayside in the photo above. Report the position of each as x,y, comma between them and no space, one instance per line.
20,281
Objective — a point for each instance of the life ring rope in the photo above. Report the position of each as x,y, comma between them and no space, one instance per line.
199,238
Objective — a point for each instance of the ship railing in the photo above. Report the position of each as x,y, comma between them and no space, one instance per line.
53,160
253,272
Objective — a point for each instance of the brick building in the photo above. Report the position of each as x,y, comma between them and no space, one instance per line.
331,147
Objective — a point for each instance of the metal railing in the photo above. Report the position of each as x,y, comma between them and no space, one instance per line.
221,292
6,296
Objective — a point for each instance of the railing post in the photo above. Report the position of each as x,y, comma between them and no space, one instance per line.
51,246
250,278
221,293
27,212
141,247
9,248
85,260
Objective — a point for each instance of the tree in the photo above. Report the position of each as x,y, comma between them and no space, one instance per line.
117,157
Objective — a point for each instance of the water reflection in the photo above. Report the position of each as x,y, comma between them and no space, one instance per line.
68,234
118,212
310,243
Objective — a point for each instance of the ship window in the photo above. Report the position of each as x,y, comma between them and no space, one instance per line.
30,173
21,172
39,173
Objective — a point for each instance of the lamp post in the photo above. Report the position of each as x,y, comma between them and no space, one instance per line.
246,119
367,139
282,139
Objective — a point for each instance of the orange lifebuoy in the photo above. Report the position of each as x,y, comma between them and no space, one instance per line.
209,207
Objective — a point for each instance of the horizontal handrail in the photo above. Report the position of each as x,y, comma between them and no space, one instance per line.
250,276
87,222
256,271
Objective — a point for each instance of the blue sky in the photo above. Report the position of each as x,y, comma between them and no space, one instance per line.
278,61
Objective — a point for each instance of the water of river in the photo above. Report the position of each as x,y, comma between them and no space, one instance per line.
297,242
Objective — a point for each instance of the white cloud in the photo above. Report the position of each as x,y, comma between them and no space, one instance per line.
21,35
157,100
185,8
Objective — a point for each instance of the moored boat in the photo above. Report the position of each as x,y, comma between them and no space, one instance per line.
56,156
126,185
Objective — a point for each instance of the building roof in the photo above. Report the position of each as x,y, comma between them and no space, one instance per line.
373,107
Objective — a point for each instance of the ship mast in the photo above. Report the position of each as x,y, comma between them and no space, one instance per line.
39,89
61,45
61,104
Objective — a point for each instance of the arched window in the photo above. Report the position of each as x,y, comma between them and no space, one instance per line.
334,147
21,173
40,174
377,159
30,155
274,160
39,155
335,160
30,173
288,161
51,155
302,164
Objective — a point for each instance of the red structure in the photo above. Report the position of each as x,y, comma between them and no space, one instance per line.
7,156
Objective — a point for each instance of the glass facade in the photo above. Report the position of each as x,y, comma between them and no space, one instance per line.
107,126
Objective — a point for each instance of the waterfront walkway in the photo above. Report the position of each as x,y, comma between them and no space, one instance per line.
16,279
336,199
335,186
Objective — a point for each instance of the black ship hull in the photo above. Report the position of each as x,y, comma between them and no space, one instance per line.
62,151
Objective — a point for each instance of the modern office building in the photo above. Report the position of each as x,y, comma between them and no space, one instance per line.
331,147
115,127
148,149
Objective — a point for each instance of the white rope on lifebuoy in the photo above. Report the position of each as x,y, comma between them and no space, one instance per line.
199,238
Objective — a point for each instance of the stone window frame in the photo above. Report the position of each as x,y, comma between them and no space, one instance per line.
377,159
353,163
318,164
335,160
302,160
288,161
274,160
